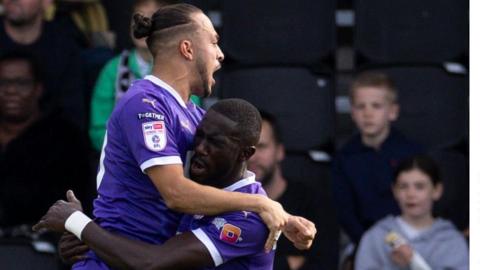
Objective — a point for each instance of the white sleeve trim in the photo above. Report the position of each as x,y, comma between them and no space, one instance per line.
160,161
202,236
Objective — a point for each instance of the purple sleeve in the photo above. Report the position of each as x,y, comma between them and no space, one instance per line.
149,128
233,235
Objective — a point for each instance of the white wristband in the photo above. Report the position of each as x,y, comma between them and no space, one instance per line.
76,222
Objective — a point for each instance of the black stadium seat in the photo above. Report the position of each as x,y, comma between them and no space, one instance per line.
278,31
433,104
302,102
429,31
20,254
454,203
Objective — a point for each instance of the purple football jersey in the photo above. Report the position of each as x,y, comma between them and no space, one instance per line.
235,240
151,125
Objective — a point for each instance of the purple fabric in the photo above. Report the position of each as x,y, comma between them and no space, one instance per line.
148,123
239,237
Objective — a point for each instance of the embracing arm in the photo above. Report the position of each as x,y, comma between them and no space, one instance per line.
183,251
180,252
183,195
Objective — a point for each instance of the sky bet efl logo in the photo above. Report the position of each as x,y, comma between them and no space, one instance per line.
154,135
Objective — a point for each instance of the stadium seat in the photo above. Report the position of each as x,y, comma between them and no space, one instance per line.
428,31
454,204
317,176
433,104
278,31
20,254
302,102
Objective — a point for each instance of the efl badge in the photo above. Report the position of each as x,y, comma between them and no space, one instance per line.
230,233
155,135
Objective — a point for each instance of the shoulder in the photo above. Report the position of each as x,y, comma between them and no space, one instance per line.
143,102
399,139
352,146
445,231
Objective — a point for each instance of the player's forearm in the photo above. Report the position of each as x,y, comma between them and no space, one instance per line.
192,198
183,251
118,252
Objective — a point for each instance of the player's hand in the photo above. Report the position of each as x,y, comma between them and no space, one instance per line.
71,249
275,218
54,219
402,255
300,231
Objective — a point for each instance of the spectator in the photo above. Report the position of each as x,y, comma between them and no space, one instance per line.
363,168
117,75
415,239
24,28
297,199
41,155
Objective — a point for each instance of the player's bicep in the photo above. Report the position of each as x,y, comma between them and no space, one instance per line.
168,179
184,251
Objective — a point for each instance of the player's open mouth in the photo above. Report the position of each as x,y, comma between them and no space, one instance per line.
197,165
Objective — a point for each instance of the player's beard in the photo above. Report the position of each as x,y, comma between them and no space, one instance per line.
204,77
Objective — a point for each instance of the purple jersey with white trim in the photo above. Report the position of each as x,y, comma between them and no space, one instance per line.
235,240
151,125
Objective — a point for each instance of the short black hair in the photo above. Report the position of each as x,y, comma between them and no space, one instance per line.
15,55
423,163
164,24
272,120
245,115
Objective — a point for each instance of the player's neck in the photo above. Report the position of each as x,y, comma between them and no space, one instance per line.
175,76
25,34
235,175
277,186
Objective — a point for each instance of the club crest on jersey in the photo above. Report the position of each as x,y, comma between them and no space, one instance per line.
230,233
155,135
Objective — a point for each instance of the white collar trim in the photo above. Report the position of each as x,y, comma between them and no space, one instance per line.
249,178
167,87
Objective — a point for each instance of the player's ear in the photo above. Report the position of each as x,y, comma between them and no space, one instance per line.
186,49
248,152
